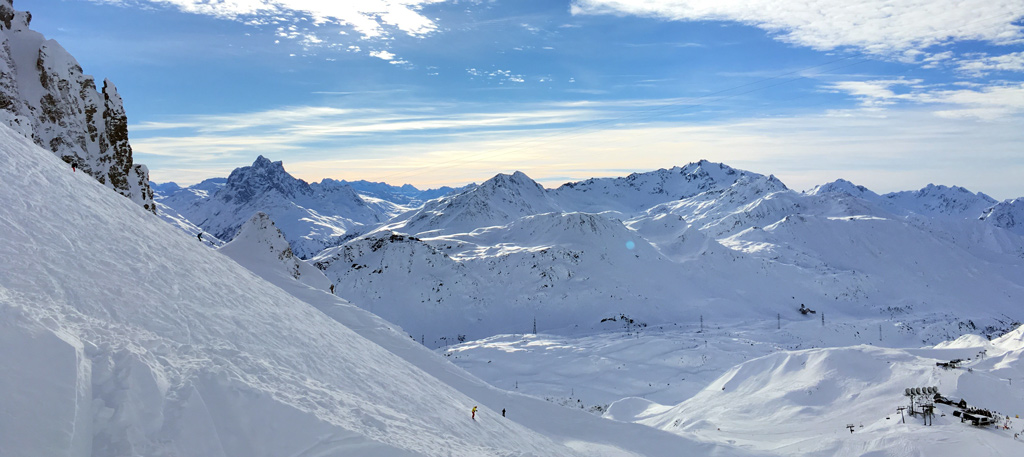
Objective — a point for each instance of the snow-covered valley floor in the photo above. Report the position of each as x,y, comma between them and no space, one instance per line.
768,389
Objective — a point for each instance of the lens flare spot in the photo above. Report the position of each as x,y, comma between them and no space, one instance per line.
630,245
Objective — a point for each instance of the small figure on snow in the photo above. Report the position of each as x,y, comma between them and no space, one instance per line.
474,413
200,236
74,166
332,288
502,412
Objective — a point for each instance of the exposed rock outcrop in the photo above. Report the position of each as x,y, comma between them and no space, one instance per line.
45,96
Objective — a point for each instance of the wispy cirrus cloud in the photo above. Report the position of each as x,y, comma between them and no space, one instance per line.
980,65
983,101
882,27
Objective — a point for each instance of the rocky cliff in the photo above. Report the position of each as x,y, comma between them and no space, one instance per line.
45,96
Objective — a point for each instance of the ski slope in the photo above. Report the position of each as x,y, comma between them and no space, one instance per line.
577,429
122,335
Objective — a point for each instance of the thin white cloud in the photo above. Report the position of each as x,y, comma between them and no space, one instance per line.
498,75
884,27
370,18
987,102
981,65
383,55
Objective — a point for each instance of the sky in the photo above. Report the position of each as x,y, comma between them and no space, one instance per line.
889,94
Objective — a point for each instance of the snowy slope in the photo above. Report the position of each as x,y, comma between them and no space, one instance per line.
45,96
1008,214
799,403
174,196
584,432
154,345
744,251
940,201
259,244
172,217
497,201
640,191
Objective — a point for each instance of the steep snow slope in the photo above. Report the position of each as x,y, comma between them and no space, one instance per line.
172,217
259,244
45,96
123,336
750,200
584,432
1008,215
799,403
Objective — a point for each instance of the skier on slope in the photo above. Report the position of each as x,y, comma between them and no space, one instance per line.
74,166
474,413
200,235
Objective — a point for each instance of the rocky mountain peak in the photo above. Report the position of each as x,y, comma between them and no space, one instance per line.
1007,214
11,19
262,177
45,96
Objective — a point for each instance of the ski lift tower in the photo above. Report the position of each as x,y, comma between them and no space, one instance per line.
923,395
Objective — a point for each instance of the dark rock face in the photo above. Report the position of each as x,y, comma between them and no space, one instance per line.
45,96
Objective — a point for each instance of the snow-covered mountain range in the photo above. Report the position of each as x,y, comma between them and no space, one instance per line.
662,247
667,313
45,96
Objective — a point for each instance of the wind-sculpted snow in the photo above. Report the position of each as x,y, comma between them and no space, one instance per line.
122,336
45,96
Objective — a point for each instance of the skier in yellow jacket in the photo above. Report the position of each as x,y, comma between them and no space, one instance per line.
474,413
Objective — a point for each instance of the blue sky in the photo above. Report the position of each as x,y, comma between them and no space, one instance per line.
891,94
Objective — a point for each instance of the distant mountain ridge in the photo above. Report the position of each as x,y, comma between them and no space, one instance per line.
313,216
661,246
406,194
